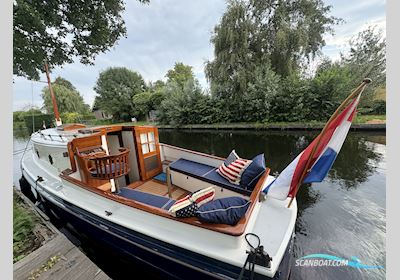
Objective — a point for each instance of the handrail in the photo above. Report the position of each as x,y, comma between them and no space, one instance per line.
106,167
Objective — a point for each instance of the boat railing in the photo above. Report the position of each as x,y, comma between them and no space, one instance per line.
105,167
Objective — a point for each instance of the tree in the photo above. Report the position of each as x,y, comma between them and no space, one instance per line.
68,98
257,101
115,89
254,34
142,104
367,59
57,31
187,105
180,74
63,82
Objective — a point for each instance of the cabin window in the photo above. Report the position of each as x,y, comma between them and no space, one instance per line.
51,159
148,142
37,152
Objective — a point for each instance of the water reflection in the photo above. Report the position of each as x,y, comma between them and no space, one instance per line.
355,163
345,215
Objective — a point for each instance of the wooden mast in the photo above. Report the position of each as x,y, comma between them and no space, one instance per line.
352,95
53,98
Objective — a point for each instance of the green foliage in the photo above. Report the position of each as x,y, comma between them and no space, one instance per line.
23,224
379,107
180,74
68,98
115,89
71,117
257,102
235,56
37,121
327,90
56,31
18,116
184,105
142,104
367,59
252,34
288,103
64,82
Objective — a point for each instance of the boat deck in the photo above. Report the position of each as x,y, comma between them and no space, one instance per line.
158,188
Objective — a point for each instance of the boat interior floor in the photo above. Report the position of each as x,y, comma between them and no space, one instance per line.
158,188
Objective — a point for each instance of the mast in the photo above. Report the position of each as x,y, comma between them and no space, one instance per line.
53,98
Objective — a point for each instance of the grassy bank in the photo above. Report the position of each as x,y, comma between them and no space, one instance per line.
362,122
23,223
28,230
367,119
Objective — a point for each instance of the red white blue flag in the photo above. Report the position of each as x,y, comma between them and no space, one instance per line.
322,160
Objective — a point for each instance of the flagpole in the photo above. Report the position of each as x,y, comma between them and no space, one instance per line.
53,98
352,95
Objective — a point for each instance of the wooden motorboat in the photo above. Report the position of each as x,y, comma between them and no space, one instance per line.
105,181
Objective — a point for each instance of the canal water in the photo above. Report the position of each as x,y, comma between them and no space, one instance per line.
344,216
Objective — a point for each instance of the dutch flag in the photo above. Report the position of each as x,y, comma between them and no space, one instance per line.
321,162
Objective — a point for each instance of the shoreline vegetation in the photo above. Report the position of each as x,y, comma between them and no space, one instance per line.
29,233
360,123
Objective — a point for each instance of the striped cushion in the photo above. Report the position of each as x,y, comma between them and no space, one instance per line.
203,196
233,171
187,206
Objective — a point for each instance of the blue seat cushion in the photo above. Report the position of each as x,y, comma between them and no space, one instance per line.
253,172
228,210
147,198
205,173
190,167
162,177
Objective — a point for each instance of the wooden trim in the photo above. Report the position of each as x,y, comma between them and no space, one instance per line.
191,151
145,174
72,126
236,230
71,155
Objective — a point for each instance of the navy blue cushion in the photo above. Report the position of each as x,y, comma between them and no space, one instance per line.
205,173
227,210
190,167
253,172
147,198
220,181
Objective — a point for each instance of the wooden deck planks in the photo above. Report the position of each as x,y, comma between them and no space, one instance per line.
157,188
71,264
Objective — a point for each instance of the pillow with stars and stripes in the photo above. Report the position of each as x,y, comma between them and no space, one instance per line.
188,206
233,172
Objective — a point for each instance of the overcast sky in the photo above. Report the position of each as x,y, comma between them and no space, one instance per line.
168,31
